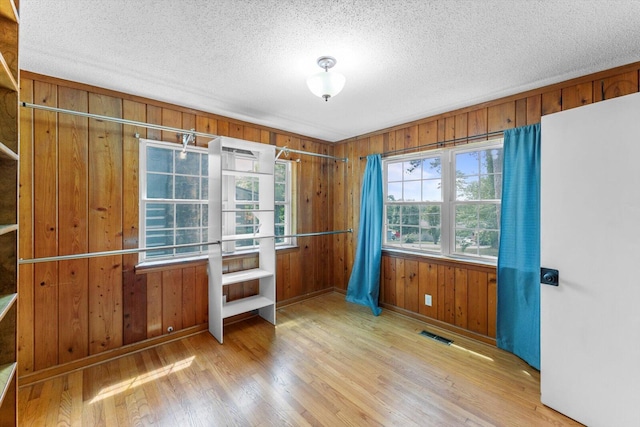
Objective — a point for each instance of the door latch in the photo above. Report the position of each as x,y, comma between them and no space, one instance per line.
549,276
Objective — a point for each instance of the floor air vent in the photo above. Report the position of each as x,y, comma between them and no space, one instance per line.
435,337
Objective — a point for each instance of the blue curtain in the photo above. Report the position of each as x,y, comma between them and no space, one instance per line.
518,322
364,283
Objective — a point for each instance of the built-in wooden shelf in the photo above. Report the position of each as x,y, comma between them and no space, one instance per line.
7,228
6,302
7,153
244,305
244,275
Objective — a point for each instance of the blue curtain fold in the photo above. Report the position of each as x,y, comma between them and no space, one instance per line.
518,321
364,283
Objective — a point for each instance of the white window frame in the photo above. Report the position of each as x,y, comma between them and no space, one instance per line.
144,201
202,253
447,204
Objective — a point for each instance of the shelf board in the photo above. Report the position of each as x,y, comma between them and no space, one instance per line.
231,172
7,228
7,372
7,80
245,275
6,302
7,153
244,305
8,11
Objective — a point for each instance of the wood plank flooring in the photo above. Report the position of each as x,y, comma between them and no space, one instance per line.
327,363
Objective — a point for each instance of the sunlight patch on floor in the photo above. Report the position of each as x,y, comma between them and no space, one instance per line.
136,381
473,353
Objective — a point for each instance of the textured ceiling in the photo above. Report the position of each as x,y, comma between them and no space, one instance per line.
249,60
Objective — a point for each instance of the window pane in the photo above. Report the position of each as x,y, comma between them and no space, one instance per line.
279,231
187,187
467,164
187,215
394,191
279,214
430,216
280,172
410,215
394,172
159,238
247,229
412,169
245,218
159,160
412,191
246,189
490,186
491,161
190,165
205,216
488,216
488,241
431,190
280,192
204,159
466,216
184,237
431,168
467,188
159,186
159,215
205,188
410,235
465,241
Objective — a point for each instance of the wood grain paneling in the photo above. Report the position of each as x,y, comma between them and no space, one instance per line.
73,226
105,225
124,306
84,178
45,230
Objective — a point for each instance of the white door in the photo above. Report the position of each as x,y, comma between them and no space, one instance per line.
590,233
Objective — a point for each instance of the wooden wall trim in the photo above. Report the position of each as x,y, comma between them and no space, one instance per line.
449,262
510,98
98,358
129,97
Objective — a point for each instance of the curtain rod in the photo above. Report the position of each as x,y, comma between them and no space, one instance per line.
438,144
160,127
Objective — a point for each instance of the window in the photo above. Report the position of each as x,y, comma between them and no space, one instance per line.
445,201
174,201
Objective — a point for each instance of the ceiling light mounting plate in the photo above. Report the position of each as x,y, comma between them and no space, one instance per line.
326,62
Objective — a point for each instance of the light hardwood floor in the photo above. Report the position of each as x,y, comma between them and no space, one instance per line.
327,363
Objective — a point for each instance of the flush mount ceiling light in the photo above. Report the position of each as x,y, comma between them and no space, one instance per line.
326,84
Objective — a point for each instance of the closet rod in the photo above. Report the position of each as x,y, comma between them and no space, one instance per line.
109,253
159,127
438,144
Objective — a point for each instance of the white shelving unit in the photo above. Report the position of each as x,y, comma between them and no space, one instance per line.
225,168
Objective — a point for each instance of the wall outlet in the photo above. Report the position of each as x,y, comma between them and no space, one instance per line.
427,300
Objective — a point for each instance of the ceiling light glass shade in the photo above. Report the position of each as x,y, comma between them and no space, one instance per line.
326,84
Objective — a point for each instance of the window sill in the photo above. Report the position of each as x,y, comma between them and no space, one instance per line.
168,264
444,259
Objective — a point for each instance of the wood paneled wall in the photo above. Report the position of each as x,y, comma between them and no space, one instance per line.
79,193
466,293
